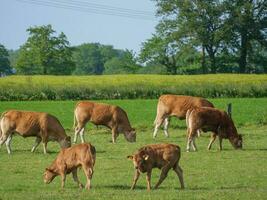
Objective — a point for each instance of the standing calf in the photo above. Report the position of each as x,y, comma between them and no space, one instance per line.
175,105
69,160
162,156
211,119
43,126
110,116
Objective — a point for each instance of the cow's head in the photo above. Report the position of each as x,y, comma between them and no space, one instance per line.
139,161
237,142
66,142
49,175
130,135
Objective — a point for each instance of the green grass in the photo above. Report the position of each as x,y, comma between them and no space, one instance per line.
130,86
230,174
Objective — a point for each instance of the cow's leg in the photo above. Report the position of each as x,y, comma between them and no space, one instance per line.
178,170
76,179
193,143
158,122
220,143
37,142
115,134
188,139
212,139
163,175
88,173
166,124
148,179
63,179
77,130
198,132
136,176
191,134
82,134
45,147
8,141
4,137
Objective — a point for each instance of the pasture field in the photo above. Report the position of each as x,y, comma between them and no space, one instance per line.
15,88
229,174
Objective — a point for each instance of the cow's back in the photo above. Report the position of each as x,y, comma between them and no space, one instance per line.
97,113
26,123
177,105
162,153
77,155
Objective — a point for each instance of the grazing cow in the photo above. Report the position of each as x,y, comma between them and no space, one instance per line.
175,105
110,116
69,160
162,156
43,126
211,119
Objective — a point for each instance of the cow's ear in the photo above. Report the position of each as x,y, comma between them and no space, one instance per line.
146,157
130,157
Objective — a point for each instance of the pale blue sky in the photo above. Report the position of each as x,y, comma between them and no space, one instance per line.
80,27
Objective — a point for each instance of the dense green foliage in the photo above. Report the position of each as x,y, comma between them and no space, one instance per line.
213,36
130,86
44,53
230,174
4,61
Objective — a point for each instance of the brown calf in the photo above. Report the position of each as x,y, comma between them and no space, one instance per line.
110,116
175,105
162,156
69,160
211,119
43,126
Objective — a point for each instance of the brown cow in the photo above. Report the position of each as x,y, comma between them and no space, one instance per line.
43,126
175,105
211,119
110,116
69,160
162,156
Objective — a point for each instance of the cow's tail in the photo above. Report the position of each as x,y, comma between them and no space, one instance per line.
93,153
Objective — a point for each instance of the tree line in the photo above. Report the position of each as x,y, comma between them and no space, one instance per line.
192,37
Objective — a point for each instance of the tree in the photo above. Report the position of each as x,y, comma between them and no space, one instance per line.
4,61
45,53
88,59
159,50
125,64
248,20
195,23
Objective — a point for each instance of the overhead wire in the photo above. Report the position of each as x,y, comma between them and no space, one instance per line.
93,8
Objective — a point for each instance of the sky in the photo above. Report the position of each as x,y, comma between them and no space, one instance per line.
80,23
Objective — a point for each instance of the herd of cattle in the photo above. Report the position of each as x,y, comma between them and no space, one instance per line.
199,113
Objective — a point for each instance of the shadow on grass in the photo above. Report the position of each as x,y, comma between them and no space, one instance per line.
123,187
260,149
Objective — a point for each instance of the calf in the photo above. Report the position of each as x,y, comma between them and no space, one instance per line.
162,156
69,160
110,116
175,105
211,119
43,126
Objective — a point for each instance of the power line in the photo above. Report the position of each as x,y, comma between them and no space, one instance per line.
93,8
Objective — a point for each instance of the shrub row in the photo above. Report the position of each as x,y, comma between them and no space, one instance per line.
130,86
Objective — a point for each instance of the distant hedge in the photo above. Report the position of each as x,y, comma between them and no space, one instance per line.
15,88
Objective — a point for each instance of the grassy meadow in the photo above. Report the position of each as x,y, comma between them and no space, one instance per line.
15,88
229,174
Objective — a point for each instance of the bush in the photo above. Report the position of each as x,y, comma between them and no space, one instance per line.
15,88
